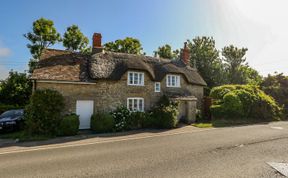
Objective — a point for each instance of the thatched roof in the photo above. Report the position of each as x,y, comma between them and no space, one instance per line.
67,66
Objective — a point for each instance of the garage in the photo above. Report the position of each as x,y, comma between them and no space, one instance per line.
84,108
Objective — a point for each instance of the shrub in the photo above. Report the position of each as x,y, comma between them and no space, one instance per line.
122,117
140,120
102,122
44,112
243,101
164,115
69,125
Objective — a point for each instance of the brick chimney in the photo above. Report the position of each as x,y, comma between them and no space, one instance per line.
97,46
185,56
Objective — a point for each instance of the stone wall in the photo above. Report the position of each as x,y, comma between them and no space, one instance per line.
107,95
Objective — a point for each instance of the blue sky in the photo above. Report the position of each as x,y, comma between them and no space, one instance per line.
154,22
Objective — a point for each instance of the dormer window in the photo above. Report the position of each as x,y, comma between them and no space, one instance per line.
173,80
136,78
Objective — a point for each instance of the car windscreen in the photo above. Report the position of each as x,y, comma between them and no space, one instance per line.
12,113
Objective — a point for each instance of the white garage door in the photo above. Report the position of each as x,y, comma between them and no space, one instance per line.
84,108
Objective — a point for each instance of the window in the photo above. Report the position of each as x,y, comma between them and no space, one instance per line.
135,104
136,78
157,87
173,80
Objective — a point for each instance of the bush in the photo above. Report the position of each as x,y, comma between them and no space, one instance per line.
140,120
44,112
69,125
102,122
122,117
243,101
164,115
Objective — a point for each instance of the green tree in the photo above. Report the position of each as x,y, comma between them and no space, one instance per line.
44,34
127,45
166,52
74,39
16,89
205,57
277,86
235,59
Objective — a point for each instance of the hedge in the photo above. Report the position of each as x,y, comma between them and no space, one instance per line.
69,125
243,101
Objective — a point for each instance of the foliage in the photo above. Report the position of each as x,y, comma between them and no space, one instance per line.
243,101
15,90
205,57
33,64
44,112
166,52
277,87
102,122
165,114
238,71
44,34
6,107
69,125
74,40
127,45
122,117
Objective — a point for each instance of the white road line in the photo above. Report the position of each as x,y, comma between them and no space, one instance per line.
278,128
280,167
38,148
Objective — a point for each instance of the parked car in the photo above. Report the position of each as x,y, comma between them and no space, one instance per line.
12,120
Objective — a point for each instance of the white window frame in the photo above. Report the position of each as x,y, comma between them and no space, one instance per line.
134,81
138,108
170,78
156,88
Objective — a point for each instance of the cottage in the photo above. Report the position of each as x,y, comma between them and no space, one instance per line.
104,80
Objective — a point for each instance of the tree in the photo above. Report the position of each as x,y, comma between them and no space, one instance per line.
74,40
127,45
16,89
166,52
205,58
234,58
277,86
44,35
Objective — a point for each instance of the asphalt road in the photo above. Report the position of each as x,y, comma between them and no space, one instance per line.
222,152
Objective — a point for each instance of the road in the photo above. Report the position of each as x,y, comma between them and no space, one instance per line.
221,152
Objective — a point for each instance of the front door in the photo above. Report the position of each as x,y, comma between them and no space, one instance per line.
84,108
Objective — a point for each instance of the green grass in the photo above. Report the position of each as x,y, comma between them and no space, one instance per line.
22,136
227,123
203,125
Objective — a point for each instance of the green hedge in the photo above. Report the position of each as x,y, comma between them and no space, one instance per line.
102,122
243,101
69,125
43,114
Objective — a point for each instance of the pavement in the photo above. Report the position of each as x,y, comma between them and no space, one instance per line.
184,152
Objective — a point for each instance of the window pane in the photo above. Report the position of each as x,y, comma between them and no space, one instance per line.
130,78
140,104
140,79
169,80
130,104
173,80
135,105
135,78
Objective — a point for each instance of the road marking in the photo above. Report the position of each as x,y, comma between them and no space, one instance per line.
65,145
280,167
279,128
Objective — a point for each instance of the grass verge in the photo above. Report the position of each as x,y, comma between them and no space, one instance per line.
203,125
22,136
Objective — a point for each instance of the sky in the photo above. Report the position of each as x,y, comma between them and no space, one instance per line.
259,25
